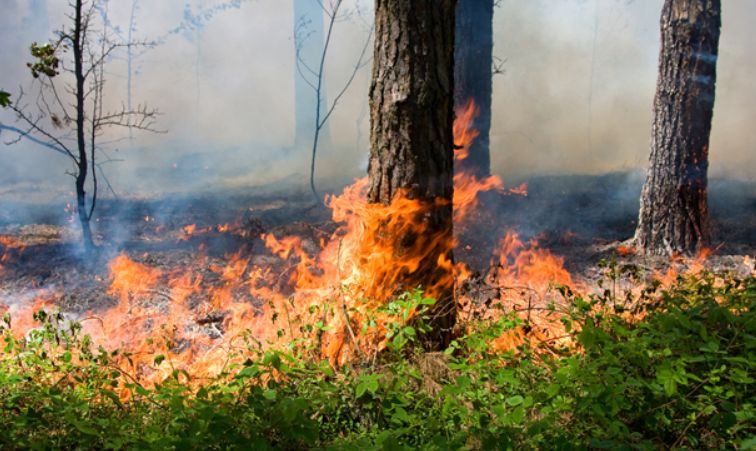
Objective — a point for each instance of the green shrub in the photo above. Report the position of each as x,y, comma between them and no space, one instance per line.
682,376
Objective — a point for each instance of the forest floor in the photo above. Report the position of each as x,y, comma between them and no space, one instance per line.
653,371
583,219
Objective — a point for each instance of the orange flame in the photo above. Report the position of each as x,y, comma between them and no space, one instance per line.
335,284
468,186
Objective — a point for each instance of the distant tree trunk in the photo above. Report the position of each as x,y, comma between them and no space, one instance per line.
411,143
309,36
674,214
473,53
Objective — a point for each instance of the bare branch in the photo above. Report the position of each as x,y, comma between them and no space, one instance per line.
360,64
32,138
36,128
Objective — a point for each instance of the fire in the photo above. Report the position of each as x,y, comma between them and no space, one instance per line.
192,230
189,229
130,278
468,186
537,268
625,250
10,248
334,285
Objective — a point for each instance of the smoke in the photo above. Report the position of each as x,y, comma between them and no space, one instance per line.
579,81
575,95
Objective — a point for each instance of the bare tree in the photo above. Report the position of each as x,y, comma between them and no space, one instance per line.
68,112
314,77
674,213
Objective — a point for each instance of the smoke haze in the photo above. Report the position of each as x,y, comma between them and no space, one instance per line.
575,94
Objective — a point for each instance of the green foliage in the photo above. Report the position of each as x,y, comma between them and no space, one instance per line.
411,311
683,376
46,60
5,100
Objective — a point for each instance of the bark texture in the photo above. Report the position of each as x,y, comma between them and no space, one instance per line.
674,215
473,53
411,142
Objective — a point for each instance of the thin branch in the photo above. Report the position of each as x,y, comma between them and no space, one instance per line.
360,64
318,102
33,126
32,138
319,123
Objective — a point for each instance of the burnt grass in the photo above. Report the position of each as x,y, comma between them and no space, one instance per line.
581,218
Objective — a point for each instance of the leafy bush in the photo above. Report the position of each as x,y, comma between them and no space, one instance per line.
682,376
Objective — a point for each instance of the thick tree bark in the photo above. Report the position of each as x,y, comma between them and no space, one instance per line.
473,53
674,214
411,143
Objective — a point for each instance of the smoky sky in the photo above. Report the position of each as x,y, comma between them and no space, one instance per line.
574,96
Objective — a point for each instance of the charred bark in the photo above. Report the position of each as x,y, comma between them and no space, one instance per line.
473,58
411,142
674,213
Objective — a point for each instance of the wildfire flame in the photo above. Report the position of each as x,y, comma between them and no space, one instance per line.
467,186
202,316
10,248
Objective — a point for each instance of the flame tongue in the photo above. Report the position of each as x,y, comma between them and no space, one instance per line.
467,186
202,310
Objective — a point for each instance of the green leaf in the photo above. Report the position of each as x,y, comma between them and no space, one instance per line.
515,400
361,389
367,385
113,397
552,390
4,99
518,415
400,416
749,443
159,359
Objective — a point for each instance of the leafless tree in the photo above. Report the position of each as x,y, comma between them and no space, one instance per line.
314,76
66,111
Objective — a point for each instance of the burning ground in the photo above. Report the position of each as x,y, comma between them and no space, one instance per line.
206,272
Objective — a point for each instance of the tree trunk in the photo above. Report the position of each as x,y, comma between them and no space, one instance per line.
673,208
82,166
411,143
473,53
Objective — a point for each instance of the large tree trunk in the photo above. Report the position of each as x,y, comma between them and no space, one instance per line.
473,53
411,143
673,209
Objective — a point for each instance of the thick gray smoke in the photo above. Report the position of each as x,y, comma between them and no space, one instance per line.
574,97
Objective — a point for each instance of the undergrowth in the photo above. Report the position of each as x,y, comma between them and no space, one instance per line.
680,377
